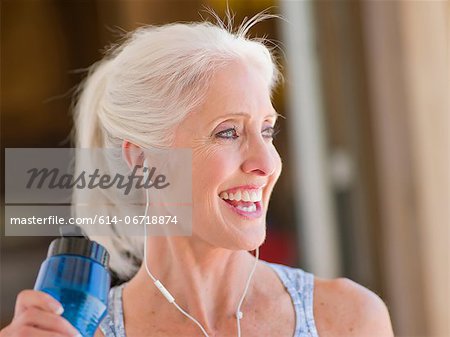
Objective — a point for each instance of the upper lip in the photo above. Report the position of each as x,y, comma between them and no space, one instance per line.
244,187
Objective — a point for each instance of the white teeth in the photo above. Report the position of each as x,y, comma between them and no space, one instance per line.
238,196
244,195
248,209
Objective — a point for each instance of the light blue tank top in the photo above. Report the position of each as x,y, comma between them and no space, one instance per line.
298,283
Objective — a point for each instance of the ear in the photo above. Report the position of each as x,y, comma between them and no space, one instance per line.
132,154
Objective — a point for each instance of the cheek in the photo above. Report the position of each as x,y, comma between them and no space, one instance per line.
280,164
211,167
277,162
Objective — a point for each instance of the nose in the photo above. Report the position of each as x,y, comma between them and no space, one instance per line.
261,157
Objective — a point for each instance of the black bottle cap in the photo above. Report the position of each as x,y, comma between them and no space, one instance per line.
79,246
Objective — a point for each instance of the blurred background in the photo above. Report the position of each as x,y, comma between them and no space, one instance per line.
365,145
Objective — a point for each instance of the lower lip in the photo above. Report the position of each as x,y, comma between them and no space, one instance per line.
248,215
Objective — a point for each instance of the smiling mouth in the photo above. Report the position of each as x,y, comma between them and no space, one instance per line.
247,204
252,211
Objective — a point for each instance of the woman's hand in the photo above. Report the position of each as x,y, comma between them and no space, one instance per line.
37,314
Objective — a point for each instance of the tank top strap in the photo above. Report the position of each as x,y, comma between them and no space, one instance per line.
300,286
112,324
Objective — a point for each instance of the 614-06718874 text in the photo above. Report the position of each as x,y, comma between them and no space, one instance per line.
97,219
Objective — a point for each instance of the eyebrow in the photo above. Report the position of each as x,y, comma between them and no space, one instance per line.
245,114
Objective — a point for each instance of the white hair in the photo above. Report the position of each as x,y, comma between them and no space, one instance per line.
143,88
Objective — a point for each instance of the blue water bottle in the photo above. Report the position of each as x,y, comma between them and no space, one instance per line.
76,274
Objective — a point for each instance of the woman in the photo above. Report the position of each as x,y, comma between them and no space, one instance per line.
203,87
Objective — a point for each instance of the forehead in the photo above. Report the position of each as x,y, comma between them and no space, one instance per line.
237,87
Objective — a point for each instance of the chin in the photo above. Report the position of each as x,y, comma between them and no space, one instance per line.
254,239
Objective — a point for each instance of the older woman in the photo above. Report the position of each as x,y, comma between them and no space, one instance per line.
202,87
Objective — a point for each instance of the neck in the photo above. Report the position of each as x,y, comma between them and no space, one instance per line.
206,281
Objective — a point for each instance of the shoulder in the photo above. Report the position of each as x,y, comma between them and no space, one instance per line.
344,308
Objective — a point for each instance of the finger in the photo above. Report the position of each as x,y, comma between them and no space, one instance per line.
47,321
34,298
28,331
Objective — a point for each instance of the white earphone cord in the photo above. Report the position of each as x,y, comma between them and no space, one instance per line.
167,294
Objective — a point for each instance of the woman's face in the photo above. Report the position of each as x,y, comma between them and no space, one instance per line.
233,157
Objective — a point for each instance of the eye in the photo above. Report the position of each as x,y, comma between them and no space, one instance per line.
271,131
228,133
